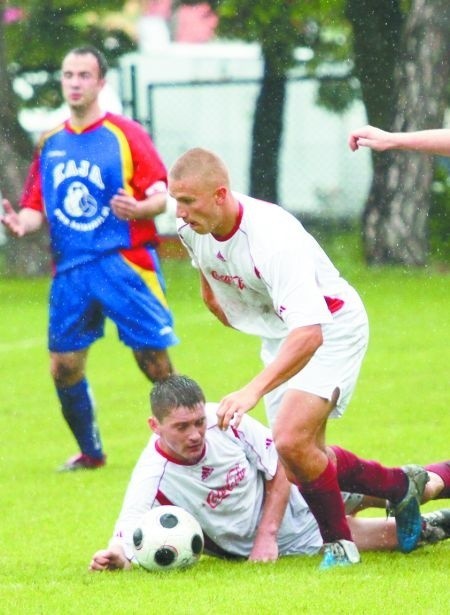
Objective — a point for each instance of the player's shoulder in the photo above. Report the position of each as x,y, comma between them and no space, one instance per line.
263,210
262,220
124,123
47,135
150,463
211,414
211,422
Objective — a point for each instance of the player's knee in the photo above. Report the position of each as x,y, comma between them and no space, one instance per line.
155,364
288,447
295,448
65,374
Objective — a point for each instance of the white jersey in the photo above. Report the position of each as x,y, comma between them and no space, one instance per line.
269,275
224,491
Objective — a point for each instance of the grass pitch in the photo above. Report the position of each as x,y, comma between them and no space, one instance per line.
52,523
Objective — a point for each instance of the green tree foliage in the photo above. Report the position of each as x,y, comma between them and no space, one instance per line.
36,43
279,28
380,43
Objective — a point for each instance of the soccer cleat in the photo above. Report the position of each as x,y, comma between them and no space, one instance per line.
82,462
339,553
435,526
407,511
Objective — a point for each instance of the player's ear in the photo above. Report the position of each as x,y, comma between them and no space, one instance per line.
220,194
154,424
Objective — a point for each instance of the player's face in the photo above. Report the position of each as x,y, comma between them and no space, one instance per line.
182,433
199,205
80,81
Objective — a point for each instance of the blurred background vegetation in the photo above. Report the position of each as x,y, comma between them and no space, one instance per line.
394,55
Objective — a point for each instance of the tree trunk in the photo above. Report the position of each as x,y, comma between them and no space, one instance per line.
267,132
395,216
15,146
30,255
376,33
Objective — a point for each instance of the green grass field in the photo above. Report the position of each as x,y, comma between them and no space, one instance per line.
52,523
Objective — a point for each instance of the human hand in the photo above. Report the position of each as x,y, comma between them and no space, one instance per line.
369,136
109,559
124,205
11,220
234,406
265,549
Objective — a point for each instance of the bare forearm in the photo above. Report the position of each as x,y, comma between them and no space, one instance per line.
294,354
428,141
277,493
211,302
435,141
277,490
152,206
31,220
127,207
23,222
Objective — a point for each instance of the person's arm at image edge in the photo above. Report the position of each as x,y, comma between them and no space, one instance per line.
434,141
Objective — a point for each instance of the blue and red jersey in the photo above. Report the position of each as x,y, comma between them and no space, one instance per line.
74,175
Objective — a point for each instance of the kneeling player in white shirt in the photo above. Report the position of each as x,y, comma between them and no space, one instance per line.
231,481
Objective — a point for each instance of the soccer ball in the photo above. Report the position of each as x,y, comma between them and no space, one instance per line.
167,537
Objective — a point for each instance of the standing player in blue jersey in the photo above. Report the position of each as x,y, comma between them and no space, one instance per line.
99,181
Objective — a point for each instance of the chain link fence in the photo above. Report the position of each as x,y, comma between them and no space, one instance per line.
319,177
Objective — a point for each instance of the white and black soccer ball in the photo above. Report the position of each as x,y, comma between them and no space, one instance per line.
167,537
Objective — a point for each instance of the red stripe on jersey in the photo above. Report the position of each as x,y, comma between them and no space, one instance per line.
32,193
139,256
334,304
235,227
148,168
162,499
143,231
177,461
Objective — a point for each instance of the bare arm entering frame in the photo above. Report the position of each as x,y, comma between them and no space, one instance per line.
436,141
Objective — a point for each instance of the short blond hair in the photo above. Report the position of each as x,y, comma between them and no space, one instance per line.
201,164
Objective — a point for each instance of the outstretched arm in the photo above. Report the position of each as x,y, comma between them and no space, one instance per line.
265,546
20,223
435,141
295,352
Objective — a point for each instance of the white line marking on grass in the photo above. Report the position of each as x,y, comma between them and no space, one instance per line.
22,344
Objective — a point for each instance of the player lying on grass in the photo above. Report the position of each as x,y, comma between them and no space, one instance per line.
233,483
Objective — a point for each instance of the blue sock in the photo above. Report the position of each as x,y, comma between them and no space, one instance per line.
78,410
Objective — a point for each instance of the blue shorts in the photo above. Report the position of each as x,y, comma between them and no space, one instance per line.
110,287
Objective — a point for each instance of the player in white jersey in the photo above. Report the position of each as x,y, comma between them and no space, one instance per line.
230,480
263,274
241,271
